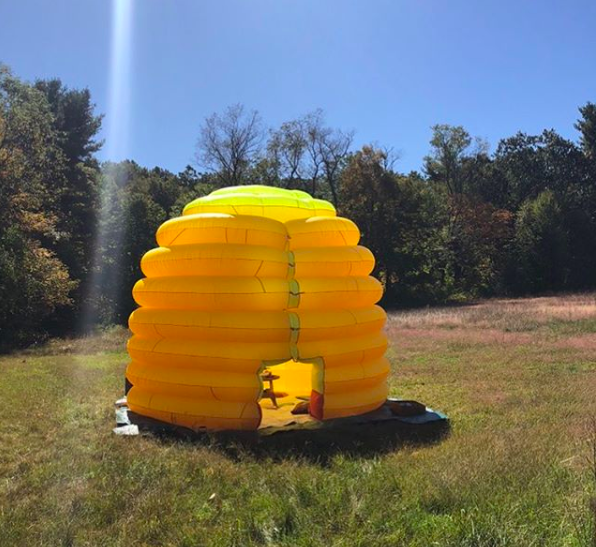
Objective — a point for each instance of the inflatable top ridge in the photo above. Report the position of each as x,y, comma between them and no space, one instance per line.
258,200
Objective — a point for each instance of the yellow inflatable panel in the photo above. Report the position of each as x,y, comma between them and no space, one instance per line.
218,228
218,259
256,297
339,351
333,262
335,293
340,324
322,232
223,350
212,293
262,202
195,382
260,190
340,377
239,355
375,394
266,326
194,413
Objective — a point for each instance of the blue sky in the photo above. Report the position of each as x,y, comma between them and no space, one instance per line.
389,69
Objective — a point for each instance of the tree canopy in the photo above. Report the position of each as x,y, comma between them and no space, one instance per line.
519,220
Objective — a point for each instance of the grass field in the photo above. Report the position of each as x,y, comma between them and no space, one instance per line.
516,377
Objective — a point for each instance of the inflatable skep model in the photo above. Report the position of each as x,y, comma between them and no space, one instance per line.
257,300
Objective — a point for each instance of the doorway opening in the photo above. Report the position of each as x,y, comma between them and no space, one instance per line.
292,392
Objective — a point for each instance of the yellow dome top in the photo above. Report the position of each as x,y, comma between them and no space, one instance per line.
262,201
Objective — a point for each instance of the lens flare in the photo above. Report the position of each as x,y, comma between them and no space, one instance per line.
103,283
118,116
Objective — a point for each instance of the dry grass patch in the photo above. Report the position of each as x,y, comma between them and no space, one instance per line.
524,314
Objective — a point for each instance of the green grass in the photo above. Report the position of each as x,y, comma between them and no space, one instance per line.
517,378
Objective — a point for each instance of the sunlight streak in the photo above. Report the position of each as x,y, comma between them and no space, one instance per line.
103,283
118,116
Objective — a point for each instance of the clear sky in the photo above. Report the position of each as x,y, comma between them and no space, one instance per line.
389,69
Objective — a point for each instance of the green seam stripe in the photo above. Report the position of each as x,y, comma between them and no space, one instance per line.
291,265
294,294
294,335
294,321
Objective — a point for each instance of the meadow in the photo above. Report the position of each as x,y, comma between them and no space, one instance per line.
516,377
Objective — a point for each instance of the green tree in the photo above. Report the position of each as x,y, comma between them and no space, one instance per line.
450,145
531,164
399,221
476,231
586,125
77,200
476,248
33,280
541,258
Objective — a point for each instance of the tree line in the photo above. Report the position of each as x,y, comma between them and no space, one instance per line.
471,223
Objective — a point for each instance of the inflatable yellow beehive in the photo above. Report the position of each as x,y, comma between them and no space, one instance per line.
256,298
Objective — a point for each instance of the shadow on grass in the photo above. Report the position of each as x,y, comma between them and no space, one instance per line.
317,444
